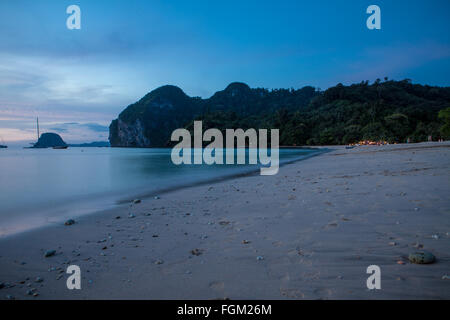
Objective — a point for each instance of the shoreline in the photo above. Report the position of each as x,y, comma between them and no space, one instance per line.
316,225
114,200
247,173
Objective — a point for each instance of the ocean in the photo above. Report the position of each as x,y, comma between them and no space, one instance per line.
44,186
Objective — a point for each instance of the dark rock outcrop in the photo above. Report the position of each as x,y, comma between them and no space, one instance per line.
393,111
150,121
49,140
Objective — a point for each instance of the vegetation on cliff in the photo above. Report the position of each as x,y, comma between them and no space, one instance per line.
391,110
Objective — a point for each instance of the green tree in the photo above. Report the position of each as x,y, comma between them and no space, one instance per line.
444,115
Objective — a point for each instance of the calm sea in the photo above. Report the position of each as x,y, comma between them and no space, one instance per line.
44,186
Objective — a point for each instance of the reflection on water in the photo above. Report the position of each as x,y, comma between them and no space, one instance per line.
44,185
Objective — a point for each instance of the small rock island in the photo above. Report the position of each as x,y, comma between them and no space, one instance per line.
50,140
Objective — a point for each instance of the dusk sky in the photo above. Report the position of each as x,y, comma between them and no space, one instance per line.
77,81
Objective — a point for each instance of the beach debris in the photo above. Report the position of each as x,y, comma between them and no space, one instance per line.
155,236
418,245
421,257
445,277
104,248
159,261
196,252
10,297
156,198
118,217
291,197
259,258
136,201
392,243
435,236
31,291
400,262
416,209
246,241
224,223
131,216
69,222
49,253
2,285
38,280
332,224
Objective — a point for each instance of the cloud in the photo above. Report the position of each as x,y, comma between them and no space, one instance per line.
72,132
65,127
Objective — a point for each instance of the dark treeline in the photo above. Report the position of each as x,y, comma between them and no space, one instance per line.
392,111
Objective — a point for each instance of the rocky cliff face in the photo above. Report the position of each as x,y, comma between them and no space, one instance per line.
150,121
392,110
128,134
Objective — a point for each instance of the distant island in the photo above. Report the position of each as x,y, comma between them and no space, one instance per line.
54,140
95,144
392,111
50,140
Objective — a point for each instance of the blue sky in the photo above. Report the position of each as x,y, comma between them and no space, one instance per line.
77,81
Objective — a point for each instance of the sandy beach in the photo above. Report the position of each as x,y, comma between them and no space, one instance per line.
309,232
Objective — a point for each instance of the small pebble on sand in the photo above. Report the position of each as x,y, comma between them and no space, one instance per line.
421,257
49,253
69,222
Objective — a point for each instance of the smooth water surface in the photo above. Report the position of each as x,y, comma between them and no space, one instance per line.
39,186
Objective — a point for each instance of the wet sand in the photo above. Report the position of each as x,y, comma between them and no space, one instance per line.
309,232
